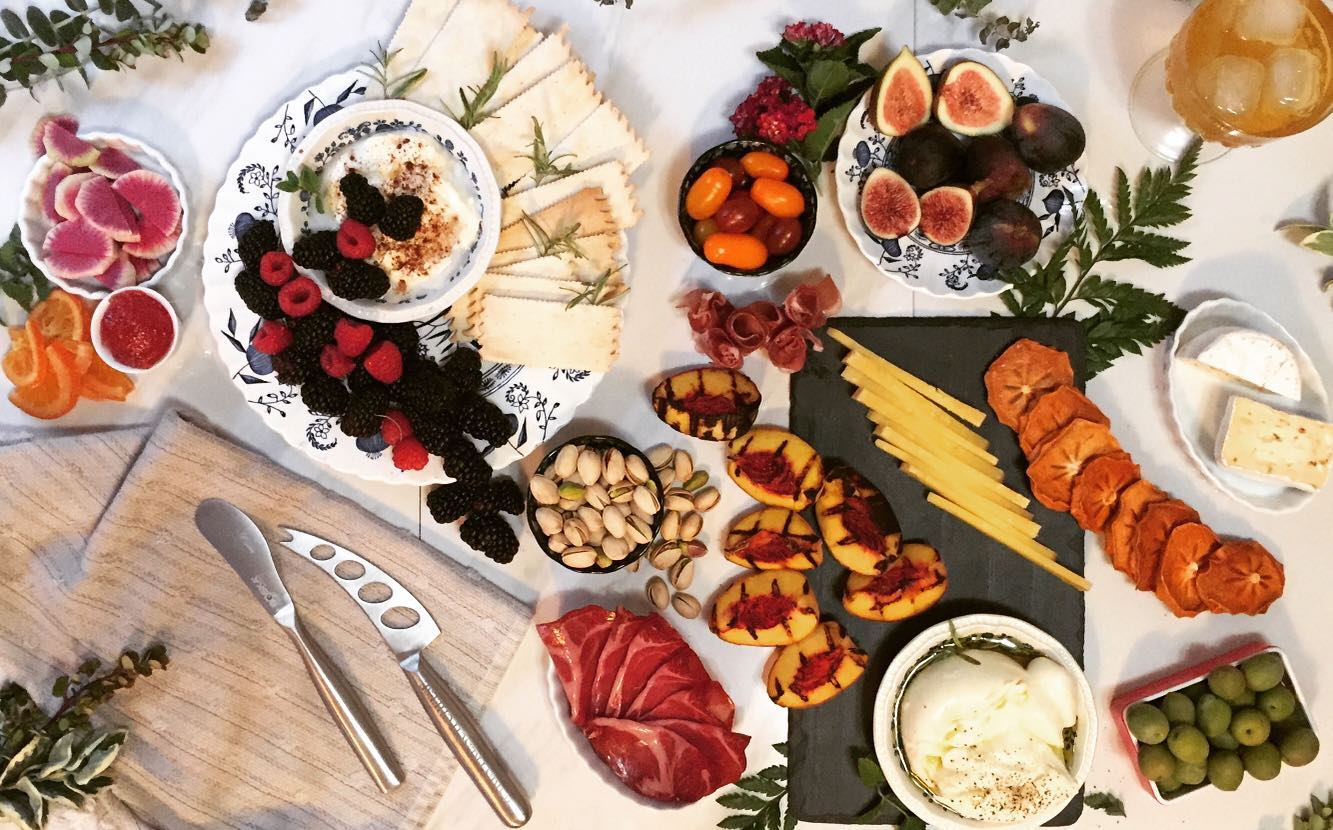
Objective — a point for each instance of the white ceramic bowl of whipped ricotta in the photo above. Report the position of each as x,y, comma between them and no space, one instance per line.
999,737
402,149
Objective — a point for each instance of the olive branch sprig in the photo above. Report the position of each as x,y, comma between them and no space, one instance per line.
998,32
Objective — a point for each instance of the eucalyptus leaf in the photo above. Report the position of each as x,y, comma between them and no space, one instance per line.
1320,242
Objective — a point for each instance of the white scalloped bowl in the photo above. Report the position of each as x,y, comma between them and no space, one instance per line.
33,224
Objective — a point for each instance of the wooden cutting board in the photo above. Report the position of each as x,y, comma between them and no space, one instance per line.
953,354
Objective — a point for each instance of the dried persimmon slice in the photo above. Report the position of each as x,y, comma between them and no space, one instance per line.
1187,549
1053,471
1098,486
1149,543
1120,530
1241,577
1022,373
1051,413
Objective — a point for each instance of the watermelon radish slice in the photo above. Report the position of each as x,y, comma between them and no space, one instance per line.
152,243
119,273
76,249
98,203
53,179
65,146
67,192
145,268
153,197
37,141
113,163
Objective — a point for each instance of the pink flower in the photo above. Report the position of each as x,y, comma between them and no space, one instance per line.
787,348
706,309
810,305
820,34
715,345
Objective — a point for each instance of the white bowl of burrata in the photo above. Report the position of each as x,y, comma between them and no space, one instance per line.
985,721
401,148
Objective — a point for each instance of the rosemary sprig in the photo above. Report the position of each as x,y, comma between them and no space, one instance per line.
998,32
381,72
20,280
548,244
544,165
481,95
759,800
305,181
596,293
958,648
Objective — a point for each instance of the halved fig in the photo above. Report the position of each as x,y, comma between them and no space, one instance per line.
776,468
858,523
1119,539
946,215
1020,375
1149,542
815,670
902,96
1051,413
769,608
1053,471
1187,549
711,403
911,585
889,206
1241,577
1097,489
773,539
972,100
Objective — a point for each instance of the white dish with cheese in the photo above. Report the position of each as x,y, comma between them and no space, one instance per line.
1250,406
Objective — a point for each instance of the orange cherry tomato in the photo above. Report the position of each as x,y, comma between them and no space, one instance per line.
708,193
778,198
739,250
763,165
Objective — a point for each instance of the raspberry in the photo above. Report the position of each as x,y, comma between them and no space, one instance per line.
355,241
384,362
334,363
395,428
299,297
352,336
275,268
408,454
272,338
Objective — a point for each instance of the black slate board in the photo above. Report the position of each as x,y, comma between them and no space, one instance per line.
953,354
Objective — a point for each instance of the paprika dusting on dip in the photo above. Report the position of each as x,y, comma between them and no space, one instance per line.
134,329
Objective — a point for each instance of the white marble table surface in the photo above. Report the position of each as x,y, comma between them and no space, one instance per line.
677,68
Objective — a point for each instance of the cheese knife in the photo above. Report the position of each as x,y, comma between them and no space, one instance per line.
407,627
239,540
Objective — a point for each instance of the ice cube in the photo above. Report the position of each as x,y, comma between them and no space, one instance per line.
1271,21
1231,84
1293,81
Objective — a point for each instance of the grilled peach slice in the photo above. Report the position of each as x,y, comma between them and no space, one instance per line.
858,523
773,539
911,585
815,670
769,608
711,403
775,468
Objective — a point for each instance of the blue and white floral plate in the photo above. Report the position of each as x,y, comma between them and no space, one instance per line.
471,175
539,400
913,260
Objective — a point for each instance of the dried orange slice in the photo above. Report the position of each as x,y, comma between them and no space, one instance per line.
1187,549
25,363
1053,471
1150,537
1098,486
62,315
1120,530
103,383
1051,413
1024,372
1241,577
58,391
82,351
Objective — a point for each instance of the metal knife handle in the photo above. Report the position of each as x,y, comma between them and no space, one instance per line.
469,743
345,707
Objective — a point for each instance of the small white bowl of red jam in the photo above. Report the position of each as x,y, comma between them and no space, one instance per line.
135,329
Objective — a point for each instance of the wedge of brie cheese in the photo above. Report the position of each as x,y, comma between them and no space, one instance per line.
1267,444
1252,358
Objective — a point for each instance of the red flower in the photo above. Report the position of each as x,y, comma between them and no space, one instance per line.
774,112
787,348
820,34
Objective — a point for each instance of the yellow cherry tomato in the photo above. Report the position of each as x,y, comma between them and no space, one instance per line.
762,165
778,198
738,250
708,193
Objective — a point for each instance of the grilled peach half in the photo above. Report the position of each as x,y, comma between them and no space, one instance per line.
711,403
773,539
858,523
776,468
769,608
911,585
815,670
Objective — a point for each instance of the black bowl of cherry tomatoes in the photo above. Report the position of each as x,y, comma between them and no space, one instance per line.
747,207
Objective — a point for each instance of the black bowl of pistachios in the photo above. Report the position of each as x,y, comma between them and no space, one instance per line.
595,504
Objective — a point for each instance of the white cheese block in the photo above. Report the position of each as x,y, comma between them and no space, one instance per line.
1252,358
535,333
1267,444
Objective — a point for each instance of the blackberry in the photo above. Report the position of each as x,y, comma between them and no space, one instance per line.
315,330
325,395
490,534
451,502
423,388
318,250
365,409
357,279
296,366
435,433
365,204
402,217
259,239
258,296
464,367
485,421
360,381
403,335
502,495
463,462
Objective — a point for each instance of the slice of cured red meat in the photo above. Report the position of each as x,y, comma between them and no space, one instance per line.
655,641
575,643
611,658
652,760
723,749
708,703
683,671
